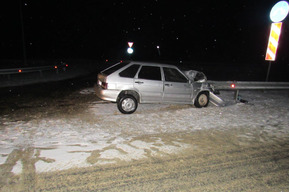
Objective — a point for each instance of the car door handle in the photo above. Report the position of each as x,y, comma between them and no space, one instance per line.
139,82
167,85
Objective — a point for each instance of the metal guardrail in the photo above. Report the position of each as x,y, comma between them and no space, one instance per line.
24,70
50,71
29,75
248,85
32,69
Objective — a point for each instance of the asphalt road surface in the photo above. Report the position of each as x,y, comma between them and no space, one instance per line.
216,161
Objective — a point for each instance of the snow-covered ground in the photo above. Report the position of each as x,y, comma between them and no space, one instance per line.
100,134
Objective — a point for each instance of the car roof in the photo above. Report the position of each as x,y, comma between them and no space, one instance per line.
152,63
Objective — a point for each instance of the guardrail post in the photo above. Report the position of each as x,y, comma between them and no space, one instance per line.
237,95
268,71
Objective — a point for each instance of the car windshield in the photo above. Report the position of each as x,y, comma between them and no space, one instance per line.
114,68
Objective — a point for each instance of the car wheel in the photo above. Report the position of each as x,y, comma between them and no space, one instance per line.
202,100
127,104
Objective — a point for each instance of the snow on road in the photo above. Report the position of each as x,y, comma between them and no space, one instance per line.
99,134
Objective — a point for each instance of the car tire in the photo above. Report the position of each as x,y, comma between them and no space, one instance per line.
202,100
127,104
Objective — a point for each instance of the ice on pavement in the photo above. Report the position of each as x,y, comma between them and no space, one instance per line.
101,135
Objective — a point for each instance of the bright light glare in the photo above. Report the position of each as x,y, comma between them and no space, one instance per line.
279,11
130,50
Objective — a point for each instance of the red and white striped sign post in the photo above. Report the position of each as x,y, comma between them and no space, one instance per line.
273,41
278,13
273,45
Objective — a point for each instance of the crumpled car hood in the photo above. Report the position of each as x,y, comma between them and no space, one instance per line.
195,75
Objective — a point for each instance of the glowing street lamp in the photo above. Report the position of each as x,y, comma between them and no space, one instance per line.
158,48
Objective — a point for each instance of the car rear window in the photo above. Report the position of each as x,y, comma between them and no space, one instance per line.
114,68
130,71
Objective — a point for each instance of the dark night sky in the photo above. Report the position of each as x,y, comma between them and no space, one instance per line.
219,30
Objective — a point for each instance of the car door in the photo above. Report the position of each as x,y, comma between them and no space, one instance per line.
176,86
149,84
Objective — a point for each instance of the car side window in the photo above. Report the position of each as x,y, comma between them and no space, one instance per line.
173,75
130,71
150,73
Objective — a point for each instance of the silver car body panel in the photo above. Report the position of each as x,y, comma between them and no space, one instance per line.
177,92
105,94
149,91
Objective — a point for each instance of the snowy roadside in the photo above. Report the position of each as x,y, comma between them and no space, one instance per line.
100,134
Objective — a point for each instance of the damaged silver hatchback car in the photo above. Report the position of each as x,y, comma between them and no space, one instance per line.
131,83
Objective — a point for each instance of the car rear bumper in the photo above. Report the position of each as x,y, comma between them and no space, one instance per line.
106,94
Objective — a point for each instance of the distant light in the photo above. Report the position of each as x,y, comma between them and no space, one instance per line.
233,85
130,50
279,11
66,65
55,67
19,70
158,47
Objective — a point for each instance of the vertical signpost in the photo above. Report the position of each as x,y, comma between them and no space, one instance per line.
278,13
130,49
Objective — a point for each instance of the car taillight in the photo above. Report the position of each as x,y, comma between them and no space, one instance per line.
104,85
